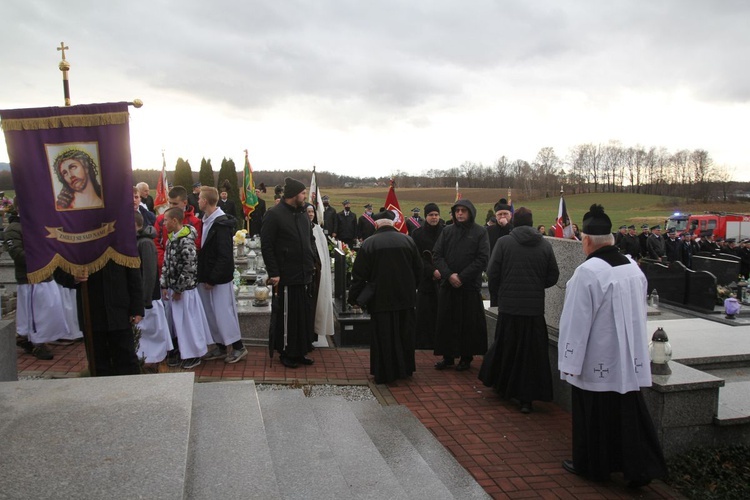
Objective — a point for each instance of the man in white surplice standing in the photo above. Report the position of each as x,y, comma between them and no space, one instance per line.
215,274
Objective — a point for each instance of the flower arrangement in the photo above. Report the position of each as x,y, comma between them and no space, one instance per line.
240,237
350,256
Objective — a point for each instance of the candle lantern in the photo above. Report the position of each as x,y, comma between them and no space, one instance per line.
660,351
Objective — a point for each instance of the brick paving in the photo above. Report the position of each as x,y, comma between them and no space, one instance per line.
510,454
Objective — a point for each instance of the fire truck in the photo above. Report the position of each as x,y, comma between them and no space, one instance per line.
723,224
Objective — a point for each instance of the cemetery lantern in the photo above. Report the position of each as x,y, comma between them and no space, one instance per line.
660,351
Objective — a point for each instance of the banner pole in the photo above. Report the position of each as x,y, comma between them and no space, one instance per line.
88,334
64,67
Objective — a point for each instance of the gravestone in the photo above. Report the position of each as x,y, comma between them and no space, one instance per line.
725,267
339,274
669,281
701,290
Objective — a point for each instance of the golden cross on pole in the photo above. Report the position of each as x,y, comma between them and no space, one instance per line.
63,48
64,67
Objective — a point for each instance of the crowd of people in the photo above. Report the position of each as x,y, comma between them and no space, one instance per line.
422,290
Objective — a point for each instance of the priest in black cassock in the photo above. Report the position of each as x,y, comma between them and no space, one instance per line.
388,265
603,355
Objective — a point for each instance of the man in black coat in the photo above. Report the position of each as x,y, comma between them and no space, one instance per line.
192,199
346,225
329,216
643,240
225,204
116,303
503,226
286,243
389,261
365,224
629,244
256,218
415,221
215,276
461,255
425,238
521,267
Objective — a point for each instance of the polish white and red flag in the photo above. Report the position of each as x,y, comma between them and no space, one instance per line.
563,227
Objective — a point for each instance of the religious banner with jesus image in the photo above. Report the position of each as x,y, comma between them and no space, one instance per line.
73,180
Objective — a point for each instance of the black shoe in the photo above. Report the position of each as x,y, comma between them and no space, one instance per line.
463,366
41,352
304,361
24,344
638,483
288,362
568,466
442,365
527,408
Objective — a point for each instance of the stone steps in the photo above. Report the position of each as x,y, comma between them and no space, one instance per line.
163,436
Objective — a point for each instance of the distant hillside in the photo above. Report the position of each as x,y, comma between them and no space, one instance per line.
4,167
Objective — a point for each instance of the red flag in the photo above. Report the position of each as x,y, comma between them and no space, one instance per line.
563,227
162,187
458,193
391,203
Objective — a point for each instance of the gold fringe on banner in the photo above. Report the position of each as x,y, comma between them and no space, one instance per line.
65,121
42,274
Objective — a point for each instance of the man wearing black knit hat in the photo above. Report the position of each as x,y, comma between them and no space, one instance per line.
503,226
427,290
603,355
286,243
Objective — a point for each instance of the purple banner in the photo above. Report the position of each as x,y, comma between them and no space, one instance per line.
73,180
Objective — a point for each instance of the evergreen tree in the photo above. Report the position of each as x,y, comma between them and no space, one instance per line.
206,175
228,172
183,175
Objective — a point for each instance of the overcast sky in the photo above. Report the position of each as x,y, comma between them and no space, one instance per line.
369,88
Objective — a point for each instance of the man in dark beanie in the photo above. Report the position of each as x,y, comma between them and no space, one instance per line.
286,243
603,355
460,254
520,268
503,226
427,290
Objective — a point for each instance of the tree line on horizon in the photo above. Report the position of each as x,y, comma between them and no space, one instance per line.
587,168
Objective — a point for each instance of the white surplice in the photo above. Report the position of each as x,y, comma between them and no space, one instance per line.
324,305
603,342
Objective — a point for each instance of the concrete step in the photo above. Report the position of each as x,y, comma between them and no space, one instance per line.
359,459
305,466
412,471
457,479
229,453
92,438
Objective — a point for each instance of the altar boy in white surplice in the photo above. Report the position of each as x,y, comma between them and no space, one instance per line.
179,279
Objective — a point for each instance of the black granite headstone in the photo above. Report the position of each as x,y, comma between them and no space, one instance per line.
725,267
669,282
701,290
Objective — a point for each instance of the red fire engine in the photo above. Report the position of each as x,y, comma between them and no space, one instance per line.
724,225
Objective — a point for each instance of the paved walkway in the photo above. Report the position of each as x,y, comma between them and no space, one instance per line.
510,454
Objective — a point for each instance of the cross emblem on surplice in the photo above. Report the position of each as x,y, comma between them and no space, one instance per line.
601,370
637,365
567,345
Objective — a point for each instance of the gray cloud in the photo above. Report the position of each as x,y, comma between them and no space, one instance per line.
392,56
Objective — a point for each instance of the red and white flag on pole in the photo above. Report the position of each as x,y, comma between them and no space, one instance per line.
162,188
563,227
391,203
458,193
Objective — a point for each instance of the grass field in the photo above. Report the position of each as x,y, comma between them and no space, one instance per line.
623,208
